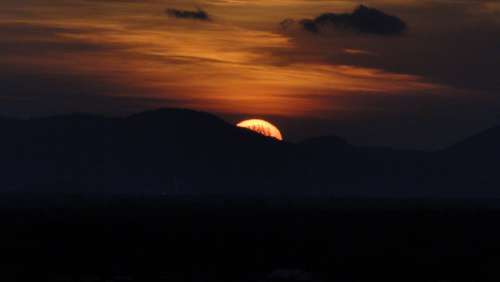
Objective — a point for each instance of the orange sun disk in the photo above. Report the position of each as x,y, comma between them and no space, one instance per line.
263,127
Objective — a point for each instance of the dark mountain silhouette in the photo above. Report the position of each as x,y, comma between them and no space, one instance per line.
475,159
482,145
183,151
326,143
180,195
148,151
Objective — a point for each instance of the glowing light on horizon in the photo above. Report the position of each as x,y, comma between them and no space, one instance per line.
262,127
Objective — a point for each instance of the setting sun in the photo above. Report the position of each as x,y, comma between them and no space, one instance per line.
263,127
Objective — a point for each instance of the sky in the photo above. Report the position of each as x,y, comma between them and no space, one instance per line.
426,88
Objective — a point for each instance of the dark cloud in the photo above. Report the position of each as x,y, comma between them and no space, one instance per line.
187,14
309,25
465,57
363,20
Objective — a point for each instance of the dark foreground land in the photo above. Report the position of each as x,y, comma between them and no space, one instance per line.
281,217
247,239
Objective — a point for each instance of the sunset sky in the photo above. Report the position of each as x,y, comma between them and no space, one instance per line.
429,87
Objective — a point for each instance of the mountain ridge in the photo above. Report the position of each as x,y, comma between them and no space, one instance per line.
188,151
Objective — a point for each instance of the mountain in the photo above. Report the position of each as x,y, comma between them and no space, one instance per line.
485,144
475,159
326,143
151,151
178,151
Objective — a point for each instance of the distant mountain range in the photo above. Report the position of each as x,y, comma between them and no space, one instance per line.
176,151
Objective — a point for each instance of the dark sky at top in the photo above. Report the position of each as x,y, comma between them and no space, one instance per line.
427,87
